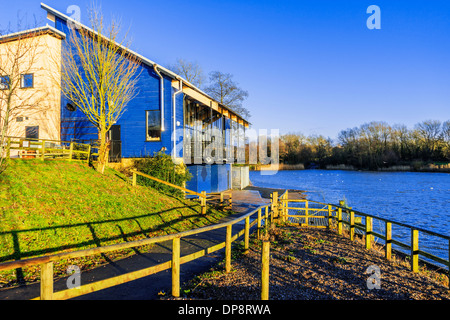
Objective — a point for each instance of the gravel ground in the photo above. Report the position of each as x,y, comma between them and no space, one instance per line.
317,264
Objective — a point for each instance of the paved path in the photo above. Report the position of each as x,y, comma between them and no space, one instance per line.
147,288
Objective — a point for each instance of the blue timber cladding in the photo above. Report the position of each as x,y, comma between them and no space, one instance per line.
75,126
209,178
201,178
133,121
219,177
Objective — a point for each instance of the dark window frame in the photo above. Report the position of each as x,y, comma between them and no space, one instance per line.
36,130
147,137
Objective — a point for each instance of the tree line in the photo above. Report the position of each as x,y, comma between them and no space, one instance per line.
371,146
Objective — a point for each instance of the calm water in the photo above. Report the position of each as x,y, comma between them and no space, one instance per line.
418,199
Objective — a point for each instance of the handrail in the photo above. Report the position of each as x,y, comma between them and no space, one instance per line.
202,196
114,247
369,233
401,224
271,209
46,262
47,140
166,183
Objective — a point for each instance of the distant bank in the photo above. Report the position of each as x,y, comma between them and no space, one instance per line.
414,167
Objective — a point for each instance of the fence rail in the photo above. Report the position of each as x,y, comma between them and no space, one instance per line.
203,196
279,208
46,149
363,222
46,262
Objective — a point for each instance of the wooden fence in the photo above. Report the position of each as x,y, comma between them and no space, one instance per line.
46,262
279,208
203,196
48,149
332,216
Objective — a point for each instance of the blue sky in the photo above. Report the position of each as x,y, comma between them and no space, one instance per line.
309,66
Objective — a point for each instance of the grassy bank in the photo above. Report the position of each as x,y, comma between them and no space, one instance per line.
51,207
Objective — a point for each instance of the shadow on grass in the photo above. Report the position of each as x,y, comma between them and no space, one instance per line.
166,226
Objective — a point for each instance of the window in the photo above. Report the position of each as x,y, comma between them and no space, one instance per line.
32,132
27,80
4,82
70,107
153,125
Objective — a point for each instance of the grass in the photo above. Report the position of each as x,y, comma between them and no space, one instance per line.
56,206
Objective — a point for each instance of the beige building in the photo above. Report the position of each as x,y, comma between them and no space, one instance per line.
30,94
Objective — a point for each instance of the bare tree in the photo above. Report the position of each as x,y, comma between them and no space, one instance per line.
190,71
429,132
23,90
446,138
223,89
99,76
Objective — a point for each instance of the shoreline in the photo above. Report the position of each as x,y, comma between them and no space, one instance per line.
348,168
303,194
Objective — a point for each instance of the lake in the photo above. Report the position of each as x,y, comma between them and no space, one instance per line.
415,198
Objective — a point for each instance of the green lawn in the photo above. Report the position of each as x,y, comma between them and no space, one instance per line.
54,206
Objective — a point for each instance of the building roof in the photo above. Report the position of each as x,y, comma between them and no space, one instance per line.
32,33
191,89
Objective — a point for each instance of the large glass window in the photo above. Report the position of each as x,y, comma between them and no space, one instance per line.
204,128
153,125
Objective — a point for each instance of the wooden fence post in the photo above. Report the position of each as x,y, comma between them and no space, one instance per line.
88,154
176,267
8,148
247,234
43,150
265,266
307,213
71,152
258,231
352,226
228,249
285,207
368,233
203,202
414,250
388,247
339,216
329,216
266,220
221,198
47,281
134,179
275,203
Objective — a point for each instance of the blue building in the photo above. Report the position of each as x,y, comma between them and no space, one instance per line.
166,115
